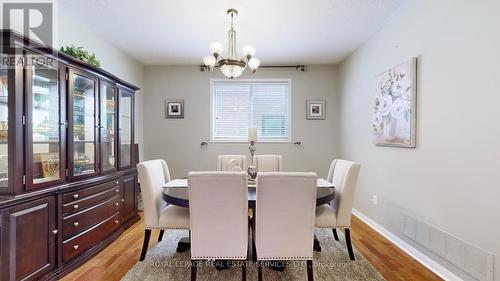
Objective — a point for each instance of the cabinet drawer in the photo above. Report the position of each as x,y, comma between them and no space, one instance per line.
89,201
82,193
89,238
85,219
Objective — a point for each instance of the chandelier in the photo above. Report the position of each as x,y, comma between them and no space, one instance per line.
231,66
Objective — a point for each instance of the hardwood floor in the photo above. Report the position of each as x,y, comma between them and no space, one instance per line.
114,261
387,258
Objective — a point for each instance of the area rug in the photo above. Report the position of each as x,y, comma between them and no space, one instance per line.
332,263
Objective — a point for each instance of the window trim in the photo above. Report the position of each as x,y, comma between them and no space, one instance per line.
212,110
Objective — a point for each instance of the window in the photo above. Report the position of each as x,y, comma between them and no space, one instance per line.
239,105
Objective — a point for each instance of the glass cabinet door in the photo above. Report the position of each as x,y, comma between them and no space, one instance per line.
4,142
45,130
108,126
82,125
126,110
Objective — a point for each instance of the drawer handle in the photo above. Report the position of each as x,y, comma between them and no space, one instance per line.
54,231
75,247
117,190
117,182
75,206
117,204
75,196
117,221
123,200
76,223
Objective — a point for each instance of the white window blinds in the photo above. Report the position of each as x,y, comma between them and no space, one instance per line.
239,105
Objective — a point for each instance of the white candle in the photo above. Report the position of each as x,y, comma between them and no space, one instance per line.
252,134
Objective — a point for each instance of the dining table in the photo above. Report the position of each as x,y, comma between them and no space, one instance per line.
175,192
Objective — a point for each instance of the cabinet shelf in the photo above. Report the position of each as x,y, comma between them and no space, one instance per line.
45,142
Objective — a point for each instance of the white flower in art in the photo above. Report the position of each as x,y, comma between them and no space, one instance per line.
400,87
406,96
399,108
384,104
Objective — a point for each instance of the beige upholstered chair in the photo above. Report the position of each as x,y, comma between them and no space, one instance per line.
232,163
344,176
153,175
284,219
268,163
218,204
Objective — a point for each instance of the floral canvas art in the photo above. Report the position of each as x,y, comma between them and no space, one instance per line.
395,106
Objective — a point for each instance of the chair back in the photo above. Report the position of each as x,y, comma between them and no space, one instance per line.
232,163
153,174
218,206
285,213
268,163
344,176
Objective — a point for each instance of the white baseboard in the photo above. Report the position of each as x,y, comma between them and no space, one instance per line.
410,250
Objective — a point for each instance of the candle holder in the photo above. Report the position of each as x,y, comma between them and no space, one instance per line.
252,171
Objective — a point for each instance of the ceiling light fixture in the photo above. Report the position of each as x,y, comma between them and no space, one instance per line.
232,66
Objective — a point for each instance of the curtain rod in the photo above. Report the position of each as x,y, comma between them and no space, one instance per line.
300,67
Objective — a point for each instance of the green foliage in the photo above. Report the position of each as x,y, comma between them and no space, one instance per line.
81,54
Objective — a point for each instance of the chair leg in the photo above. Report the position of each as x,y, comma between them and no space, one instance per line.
259,269
254,251
310,276
316,244
335,234
244,272
193,270
160,237
147,235
348,243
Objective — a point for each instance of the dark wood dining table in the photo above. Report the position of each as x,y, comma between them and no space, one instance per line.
175,193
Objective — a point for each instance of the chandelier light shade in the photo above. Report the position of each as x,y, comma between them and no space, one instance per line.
231,66
253,63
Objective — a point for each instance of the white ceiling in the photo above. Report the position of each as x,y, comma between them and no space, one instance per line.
157,32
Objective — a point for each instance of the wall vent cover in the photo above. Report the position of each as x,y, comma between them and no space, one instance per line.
471,259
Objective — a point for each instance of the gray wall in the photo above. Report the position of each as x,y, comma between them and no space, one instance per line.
178,141
74,31
451,180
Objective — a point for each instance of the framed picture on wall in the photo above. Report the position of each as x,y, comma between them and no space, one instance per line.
394,106
315,109
174,109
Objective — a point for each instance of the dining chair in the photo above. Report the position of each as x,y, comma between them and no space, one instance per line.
232,163
268,163
284,219
344,176
218,204
153,174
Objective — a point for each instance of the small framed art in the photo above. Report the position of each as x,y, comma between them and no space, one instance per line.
174,109
315,110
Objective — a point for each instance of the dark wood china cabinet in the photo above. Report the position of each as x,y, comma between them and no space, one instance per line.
68,183
108,96
126,127
44,122
83,124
